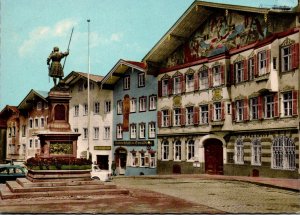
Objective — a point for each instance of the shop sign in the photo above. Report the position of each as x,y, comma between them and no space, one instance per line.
134,143
102,147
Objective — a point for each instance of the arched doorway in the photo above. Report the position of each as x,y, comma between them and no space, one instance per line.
120,159
213,156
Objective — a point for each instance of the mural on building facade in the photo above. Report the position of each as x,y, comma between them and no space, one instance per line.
220,33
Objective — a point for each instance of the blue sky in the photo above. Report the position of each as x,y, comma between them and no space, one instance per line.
125,29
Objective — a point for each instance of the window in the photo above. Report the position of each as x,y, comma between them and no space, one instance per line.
30,143
119,107
204,114
30,123
142,159
9,131
23,130
269,106
107,105
239,110
165,118
36,144
39,106
190,150
85,133
165,87
85,109
239,71
287,103
217,76
204,79
217,111
133,131
283,153
76,110
36,122
143,103
142,130
262,63
45,105
96,108
106,133
152,102
274,63
165,150
251,68
152,129
133,158
177,151
132,105
141,79
126,83
189,115
76,130
42,122
119,132
152,160
177,114
239,151
253,108
13,131
190,82
286,57
96,133
177,85
256,152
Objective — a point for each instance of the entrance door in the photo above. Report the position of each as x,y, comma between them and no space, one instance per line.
120,159
213,157
102,161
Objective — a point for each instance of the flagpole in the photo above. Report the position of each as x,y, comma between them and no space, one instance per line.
88,91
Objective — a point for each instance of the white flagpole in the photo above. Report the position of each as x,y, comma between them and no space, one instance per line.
88,91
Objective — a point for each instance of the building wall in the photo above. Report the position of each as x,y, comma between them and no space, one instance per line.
150,88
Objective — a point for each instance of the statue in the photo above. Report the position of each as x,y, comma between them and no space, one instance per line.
56,69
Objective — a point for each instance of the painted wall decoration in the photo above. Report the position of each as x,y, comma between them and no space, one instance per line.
219,34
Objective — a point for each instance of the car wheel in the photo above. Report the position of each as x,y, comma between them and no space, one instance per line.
95,178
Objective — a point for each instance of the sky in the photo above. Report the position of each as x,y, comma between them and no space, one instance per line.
119,29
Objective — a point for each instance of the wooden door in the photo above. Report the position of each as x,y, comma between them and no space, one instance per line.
214,157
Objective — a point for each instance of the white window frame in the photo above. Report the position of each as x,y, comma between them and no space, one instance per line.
119,107
106,135
165,118
286,58
269,106
96,133
262,62
239,151
36,122
165,150
152,130
164,86
42,122
189,115
203,79
283,153
239,71
142,104
85,134
190,152
119,132
30,143
204,114
152,160
142,131
76,130
254,108
256,152
76,110
152,102
85,109
239,110
177,85
176,116
126,83
96,107
133,105
190,83
133,131
287,103
177,150
141,79
107,106
217,111
217,76
251,67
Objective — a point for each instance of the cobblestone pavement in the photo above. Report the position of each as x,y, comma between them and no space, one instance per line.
228,196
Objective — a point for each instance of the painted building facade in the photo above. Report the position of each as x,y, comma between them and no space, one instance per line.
134,118
228,84
95,128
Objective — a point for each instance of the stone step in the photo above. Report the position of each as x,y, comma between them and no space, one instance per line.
7,194
44,175
24,182
15,187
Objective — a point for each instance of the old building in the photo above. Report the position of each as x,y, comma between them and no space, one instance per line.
93,121
134,118
228,82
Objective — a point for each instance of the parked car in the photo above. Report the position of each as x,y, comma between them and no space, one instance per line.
11,173
100,174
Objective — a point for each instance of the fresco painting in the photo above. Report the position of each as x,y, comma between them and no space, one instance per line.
218,35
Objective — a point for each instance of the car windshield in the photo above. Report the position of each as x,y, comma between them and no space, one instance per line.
11,170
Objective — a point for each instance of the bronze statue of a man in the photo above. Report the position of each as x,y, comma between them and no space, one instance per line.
55,69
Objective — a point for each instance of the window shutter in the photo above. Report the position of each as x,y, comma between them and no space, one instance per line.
196,115
210,80
268,60
246,111
159,119
196,81
245,71
182,117
222,111
295,103
182,81
232,81
170,118
255,65
222,74
276,114
295,56
170,86
260,107
159,89
210,113
233,111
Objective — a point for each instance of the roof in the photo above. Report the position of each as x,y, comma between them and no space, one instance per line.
120,68
189,22
27,102
74,76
